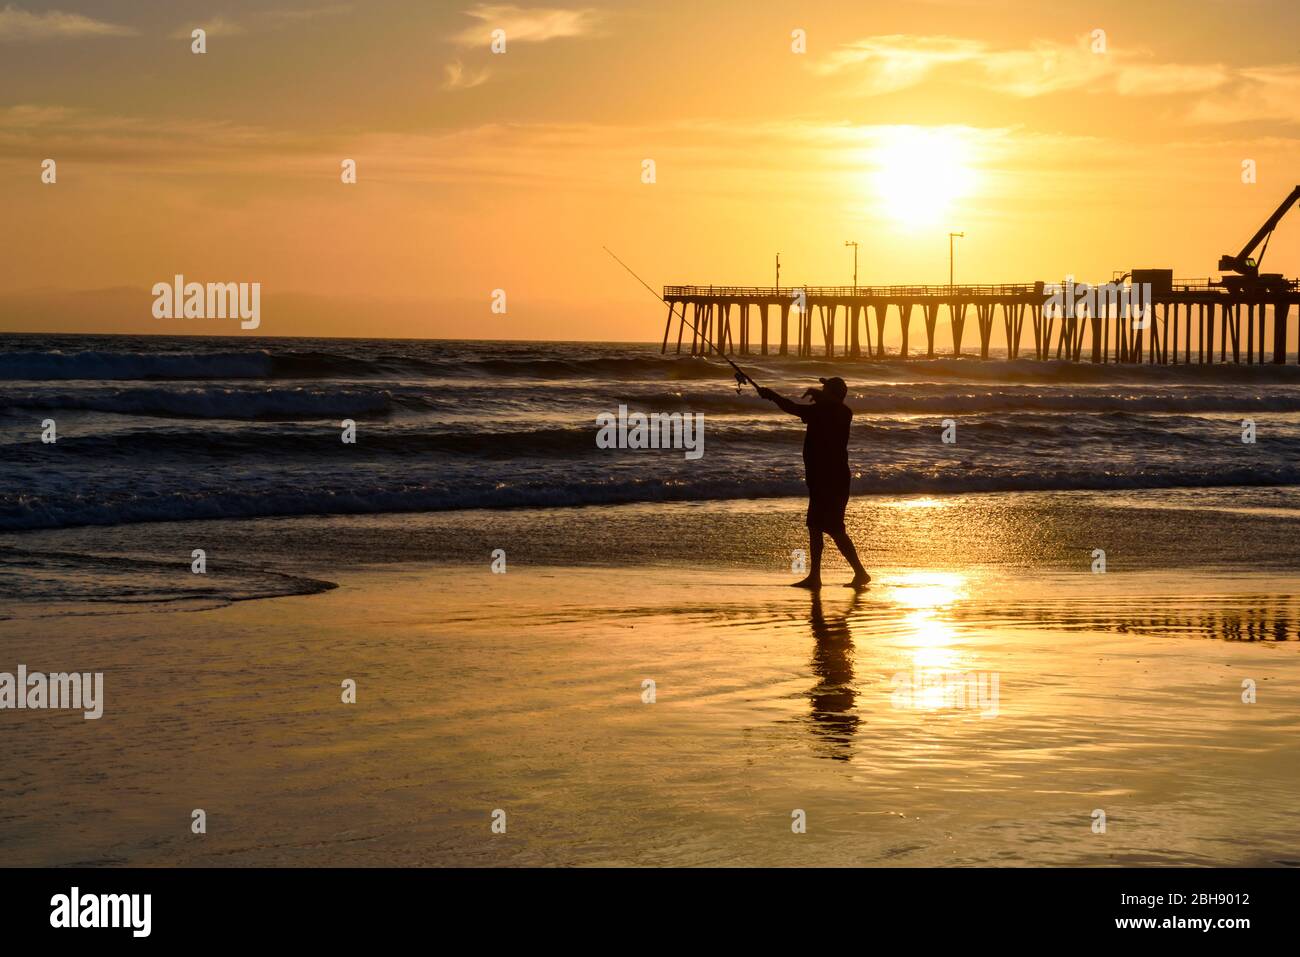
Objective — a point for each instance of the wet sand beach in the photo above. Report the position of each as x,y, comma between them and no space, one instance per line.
1040,694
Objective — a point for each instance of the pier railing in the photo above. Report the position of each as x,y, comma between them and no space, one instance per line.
1204,286
842,292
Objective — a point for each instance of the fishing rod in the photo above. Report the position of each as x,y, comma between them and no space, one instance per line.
741,375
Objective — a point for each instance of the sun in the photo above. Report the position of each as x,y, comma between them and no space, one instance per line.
920,172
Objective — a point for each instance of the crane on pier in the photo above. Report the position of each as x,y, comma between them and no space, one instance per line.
1248,278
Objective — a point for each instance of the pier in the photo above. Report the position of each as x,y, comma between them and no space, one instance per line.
1186,321
1143,315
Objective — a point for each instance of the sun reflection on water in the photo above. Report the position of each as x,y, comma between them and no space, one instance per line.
927,589
924,501
928,633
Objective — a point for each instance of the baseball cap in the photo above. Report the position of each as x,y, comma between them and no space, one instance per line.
835,385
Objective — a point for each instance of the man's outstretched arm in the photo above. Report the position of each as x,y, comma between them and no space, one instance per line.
782,403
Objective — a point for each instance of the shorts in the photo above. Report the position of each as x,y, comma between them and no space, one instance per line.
826,505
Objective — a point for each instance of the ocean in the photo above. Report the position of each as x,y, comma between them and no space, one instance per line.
157,429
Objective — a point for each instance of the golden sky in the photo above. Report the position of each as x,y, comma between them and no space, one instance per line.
1056,154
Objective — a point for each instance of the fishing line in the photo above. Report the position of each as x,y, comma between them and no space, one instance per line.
741,375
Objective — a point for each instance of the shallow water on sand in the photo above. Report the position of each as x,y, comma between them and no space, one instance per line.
94,570
524,692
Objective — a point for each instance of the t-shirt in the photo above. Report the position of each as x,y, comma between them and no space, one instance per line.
826,443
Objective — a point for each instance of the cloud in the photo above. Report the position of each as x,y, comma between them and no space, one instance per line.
220,26
888,63
1256,93
458,79
18,24
781,156
1048,67
214,27
144,142
1166,78
306,13
532,25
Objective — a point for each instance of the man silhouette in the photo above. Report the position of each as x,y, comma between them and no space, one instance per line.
826,470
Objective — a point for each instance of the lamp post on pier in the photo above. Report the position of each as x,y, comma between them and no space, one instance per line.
849,242
952,236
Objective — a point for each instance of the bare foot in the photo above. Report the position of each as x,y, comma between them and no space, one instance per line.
859,581
812,583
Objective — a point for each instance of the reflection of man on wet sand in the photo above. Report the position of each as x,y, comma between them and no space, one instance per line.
832,700
826,470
